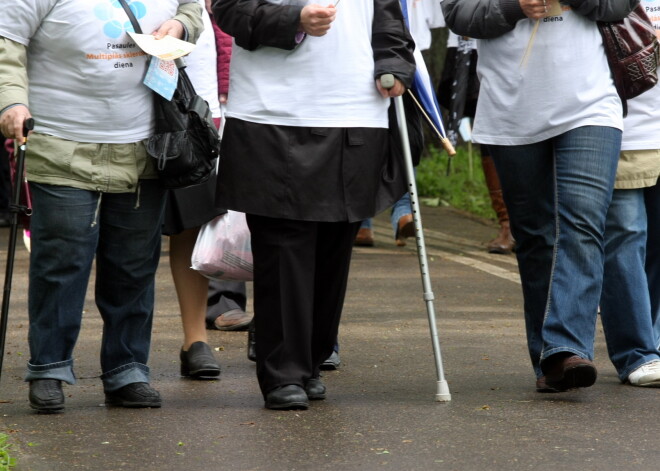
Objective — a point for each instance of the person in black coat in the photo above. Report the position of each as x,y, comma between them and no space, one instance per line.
306,155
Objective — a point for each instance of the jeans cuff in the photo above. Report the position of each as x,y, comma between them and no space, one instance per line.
553,351
125,374
62,370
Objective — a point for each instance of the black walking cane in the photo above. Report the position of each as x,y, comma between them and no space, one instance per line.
15,207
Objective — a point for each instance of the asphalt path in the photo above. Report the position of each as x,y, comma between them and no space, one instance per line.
380,413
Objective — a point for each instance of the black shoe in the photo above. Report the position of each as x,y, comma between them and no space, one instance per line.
332,362
46,395
287,397
315,389
134,395
199,362
251,346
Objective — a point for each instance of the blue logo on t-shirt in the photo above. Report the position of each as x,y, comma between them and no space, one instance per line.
114,17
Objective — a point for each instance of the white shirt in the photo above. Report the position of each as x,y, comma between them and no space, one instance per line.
202,65
564,84
85,74
272,86
423,15
641,128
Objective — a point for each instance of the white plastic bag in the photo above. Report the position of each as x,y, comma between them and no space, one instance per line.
223,250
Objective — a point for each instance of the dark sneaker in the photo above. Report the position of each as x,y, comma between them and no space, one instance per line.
134,395
332,362
46,395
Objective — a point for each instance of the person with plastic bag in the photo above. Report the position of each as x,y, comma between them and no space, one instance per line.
551,115
306,155
95,193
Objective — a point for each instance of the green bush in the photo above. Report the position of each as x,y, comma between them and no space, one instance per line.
6,461
461,187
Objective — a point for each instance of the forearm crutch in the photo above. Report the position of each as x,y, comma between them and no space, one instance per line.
442,393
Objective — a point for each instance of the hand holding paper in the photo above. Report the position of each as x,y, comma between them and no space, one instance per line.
167,48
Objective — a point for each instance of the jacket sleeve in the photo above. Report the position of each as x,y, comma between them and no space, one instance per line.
486,19
255,23
190,15
391,42
223,45
13,73
602,10
482,19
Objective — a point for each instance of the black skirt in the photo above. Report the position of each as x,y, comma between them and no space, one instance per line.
190,207
308,174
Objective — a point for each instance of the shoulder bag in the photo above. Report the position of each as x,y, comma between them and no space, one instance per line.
186,141
633,53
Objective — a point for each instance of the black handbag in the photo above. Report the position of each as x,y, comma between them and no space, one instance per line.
186,142
633,53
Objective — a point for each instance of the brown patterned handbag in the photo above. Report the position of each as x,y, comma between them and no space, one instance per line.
633,53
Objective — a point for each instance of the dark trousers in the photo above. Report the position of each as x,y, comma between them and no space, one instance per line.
224,296
300,276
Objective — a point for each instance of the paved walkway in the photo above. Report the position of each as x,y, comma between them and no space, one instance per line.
380,413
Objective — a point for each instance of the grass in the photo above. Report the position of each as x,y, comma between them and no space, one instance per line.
6,461
464,188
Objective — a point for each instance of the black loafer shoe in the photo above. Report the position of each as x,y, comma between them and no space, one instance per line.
46,395
134,395
199,362
315,389
287,397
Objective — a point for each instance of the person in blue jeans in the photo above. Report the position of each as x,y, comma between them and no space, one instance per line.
95,192
402,224
631,287
556,150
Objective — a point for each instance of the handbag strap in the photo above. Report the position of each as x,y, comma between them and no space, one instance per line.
131,16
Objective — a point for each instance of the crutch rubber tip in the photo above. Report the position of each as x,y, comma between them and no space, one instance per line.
442,395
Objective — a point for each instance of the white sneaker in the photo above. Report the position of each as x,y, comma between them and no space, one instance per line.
647,375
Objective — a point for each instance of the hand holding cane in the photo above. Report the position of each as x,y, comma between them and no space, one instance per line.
387,81
15,207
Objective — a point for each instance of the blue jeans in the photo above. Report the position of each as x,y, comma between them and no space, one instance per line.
69,228
652,202
625,307
400,209
557,192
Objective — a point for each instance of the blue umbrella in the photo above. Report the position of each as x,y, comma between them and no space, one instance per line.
423,93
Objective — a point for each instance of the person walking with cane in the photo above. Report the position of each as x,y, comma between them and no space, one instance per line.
95,193
306,155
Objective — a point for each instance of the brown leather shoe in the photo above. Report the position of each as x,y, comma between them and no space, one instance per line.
542,386
364,238
564,371
503,243
405,229
236,319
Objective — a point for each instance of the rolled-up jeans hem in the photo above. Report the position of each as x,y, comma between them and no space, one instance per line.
623,375
62,370
553,351
125,374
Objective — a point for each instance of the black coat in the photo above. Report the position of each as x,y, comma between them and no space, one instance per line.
312,174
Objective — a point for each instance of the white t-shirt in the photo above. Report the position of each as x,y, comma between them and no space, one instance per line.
202,65
272,86
422,16
85,74
565,82
641,128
